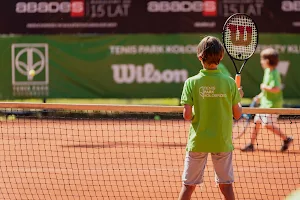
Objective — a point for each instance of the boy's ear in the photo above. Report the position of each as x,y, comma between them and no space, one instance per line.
200,58
222,57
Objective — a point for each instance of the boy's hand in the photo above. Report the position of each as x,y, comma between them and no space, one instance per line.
263,87
256,99
241,92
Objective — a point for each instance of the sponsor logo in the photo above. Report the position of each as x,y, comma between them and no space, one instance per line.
290,6
205,24
210,8
109,8
130,73
209,92
296,24
207,7
75,7
240,32
27,57
251,7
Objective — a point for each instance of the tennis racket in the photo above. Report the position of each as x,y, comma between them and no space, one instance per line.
240,39
240,126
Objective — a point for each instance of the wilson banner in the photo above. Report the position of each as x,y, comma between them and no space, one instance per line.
125,66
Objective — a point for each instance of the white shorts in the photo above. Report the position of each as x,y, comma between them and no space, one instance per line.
266,118
195,163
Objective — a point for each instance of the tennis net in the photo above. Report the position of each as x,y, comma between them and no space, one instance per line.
70,151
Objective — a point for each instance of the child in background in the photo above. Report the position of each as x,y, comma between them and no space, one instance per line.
269,97
210,100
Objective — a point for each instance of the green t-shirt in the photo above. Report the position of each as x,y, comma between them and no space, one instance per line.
212,95
269,99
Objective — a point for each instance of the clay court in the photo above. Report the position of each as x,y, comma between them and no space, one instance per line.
130,159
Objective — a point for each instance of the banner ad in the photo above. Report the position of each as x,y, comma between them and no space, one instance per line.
125,66
143,16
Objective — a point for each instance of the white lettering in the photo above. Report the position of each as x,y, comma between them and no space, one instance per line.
181,6
293,49
250,9
129,73
179,49
99,9
140,78
49,7
42,7
209,91
150,49
205,24
54,7
119,50
149,70
290,6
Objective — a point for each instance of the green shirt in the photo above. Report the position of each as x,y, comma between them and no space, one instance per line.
212,95
269,99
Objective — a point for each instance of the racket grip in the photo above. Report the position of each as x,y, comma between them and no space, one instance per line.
238,80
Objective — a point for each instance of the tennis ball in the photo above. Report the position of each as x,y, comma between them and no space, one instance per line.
157,117
31,73
11,117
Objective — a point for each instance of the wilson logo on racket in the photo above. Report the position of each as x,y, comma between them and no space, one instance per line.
240,39
237,35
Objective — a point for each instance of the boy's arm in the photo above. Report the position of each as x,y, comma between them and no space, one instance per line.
237,111
275,89
258,97
274,85
237,108
187,101
187,112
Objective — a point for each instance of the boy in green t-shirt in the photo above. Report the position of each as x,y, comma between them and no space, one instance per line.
270,97
210,100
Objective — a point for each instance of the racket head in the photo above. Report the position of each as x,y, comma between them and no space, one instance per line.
240,36
240,126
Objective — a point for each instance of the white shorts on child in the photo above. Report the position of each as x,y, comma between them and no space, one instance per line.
266,118
195,163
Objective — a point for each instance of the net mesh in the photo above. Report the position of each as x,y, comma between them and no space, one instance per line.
240,36
56,151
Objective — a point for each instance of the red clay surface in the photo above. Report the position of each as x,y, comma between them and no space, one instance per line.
126,159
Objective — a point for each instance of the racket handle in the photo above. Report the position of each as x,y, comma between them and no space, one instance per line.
238,80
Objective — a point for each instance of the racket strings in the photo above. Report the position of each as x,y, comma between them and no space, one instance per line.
240,37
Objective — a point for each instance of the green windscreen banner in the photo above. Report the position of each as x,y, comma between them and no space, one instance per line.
125,66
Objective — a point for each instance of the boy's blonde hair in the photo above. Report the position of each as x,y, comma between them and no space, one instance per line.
210,50
271,55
